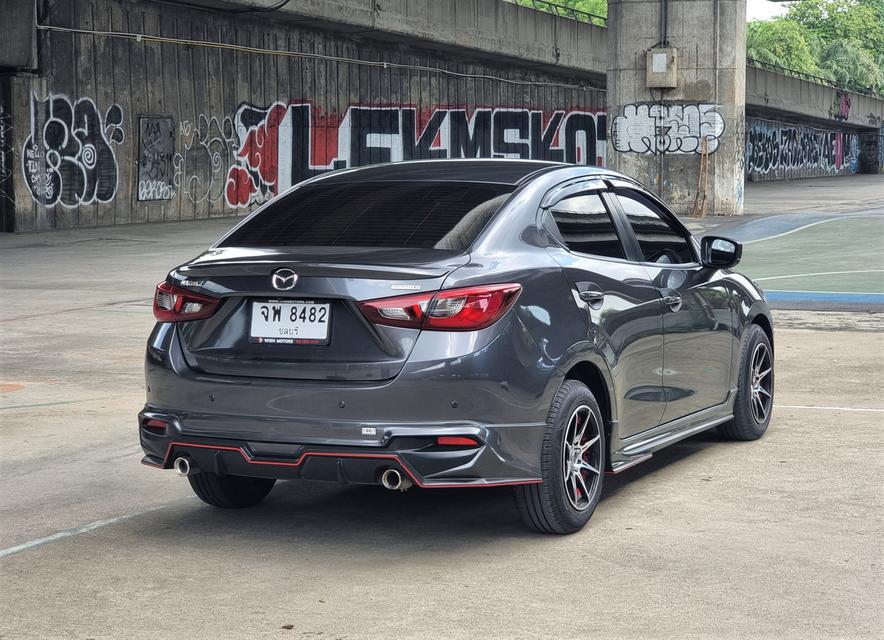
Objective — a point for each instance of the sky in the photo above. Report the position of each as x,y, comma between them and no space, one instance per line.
763,10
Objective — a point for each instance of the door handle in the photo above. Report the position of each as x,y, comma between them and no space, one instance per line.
592,296
672,300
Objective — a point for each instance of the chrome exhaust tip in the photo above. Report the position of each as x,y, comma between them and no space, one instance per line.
184,467
394,481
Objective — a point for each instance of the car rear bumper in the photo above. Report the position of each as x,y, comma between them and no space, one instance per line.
502,455
490,386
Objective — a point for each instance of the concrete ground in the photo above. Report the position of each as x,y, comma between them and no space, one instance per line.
836,194
814,244
780,538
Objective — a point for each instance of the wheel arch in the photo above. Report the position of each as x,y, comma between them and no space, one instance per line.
596,380
766,325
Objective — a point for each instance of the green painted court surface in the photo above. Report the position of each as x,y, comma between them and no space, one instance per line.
845,255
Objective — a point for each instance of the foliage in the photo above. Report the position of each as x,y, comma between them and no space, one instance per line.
842,40
595,7
859,21
781,41
850,64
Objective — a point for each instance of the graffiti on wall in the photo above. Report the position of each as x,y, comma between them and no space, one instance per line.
880,159
156,150
775,150
739,162
840,109
5,155
656,129
68,157
208,151
279,145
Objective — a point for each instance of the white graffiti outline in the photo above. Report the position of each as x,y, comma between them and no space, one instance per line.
672,128
84,159
200,169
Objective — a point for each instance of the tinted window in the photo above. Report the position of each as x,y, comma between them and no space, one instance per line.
659,241
584,225
442,215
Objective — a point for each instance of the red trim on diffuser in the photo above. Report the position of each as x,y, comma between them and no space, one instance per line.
331,454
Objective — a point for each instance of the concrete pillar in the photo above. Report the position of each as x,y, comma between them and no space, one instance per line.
871,151
684,134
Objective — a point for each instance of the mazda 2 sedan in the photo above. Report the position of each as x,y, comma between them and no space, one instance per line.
462,323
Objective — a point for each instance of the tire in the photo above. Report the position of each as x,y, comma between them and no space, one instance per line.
754,402
230,492
550,507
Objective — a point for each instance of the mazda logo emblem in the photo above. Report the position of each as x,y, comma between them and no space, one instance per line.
284,279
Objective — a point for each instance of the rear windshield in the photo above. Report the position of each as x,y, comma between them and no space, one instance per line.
440,215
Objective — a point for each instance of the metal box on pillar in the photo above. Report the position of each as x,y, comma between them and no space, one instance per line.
662,68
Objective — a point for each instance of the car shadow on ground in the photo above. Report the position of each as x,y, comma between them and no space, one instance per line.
325,516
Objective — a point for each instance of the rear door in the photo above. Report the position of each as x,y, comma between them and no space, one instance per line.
697,313
622,307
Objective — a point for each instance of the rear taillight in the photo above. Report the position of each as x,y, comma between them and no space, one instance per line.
401,311
465,309
173,304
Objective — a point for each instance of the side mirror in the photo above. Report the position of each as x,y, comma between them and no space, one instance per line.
720,252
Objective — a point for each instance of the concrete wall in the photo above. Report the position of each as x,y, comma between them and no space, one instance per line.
7,158
493,28
18,50
770,93
778,150
101,130
115,130
800,129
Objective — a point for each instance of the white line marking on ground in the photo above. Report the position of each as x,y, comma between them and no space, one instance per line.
67,533
802,228
819,408
841,293
819,273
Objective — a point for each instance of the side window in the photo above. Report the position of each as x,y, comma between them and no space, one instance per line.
659,241
584,225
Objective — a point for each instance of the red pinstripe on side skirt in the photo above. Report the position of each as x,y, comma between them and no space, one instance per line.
329,454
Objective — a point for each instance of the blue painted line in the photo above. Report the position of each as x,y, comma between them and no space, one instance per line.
824,296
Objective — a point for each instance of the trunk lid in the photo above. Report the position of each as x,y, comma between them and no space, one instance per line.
339,277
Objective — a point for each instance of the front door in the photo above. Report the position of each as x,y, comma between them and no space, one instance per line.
697,314
623,309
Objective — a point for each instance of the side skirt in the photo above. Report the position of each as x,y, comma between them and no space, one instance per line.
641,446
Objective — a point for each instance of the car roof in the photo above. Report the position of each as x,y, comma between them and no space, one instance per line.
496,171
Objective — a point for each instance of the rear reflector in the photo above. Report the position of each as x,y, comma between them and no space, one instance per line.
154,425
174,304
465,309
456,441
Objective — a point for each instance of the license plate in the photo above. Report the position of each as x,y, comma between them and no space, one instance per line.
290,322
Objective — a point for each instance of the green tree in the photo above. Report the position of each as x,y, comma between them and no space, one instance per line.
781,41
850,64
859,21
842,40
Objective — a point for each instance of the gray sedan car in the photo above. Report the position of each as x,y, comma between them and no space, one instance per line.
464,323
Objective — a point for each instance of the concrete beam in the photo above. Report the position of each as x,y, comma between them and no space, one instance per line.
770,93
494,28
17,34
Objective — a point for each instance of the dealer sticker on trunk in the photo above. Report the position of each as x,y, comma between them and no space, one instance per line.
290,322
